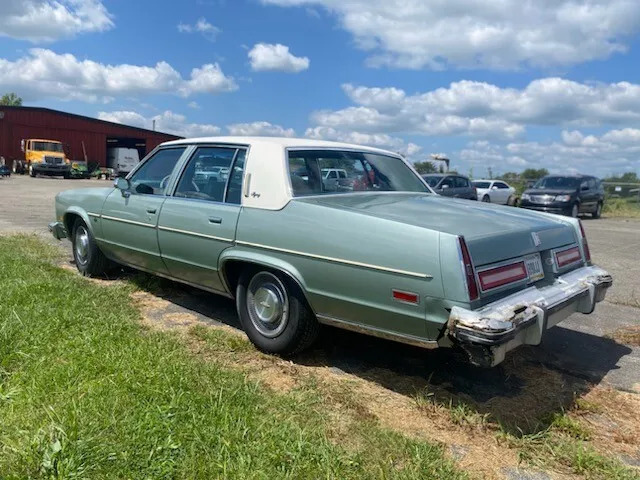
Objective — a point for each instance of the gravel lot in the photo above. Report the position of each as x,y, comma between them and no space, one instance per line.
579,348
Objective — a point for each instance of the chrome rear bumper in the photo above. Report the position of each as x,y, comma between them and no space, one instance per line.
488,333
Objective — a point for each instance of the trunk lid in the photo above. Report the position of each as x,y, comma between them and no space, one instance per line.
493,232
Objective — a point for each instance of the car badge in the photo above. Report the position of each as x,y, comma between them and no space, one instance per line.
536,239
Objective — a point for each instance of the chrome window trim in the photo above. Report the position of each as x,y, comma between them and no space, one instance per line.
337,260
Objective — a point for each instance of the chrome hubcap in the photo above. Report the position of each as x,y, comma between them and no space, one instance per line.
267,304
82,245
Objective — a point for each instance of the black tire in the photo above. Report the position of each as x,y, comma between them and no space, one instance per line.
486,199
512,201
32,171
575,210
90,261
290,325
598,211
66,175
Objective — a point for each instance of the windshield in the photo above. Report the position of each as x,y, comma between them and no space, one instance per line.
481,184
432,180
557,182
46,147
359,171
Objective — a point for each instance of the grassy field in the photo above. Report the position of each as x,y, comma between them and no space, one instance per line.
87,392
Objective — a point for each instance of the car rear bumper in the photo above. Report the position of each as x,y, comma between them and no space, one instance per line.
57,230
488,333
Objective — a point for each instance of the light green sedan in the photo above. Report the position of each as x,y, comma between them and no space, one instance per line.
376,251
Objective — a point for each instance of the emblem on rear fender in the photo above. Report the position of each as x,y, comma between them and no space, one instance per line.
536,239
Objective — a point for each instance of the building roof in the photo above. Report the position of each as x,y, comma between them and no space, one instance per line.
82,117
284,142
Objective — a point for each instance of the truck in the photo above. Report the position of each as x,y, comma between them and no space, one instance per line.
42,157
122,160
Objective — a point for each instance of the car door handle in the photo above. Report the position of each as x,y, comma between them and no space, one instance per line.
217,220
152,211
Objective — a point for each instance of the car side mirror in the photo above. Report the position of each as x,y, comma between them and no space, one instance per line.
444,186
494,187
123,185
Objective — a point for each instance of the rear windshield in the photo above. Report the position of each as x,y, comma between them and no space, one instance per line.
481,184
557,182
432,181
359,172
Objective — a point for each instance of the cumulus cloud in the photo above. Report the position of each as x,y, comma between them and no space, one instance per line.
614,152
275,57
264,129
208,31
496,34
46,74
167,121
484,110
50,20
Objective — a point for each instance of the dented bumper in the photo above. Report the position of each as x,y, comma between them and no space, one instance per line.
488,333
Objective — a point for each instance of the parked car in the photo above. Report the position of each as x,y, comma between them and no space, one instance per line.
388,258
451,185
565,194
5,171
495,191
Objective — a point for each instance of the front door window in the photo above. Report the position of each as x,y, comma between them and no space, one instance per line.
153,176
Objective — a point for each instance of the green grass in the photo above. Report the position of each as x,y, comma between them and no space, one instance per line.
621,207
87,392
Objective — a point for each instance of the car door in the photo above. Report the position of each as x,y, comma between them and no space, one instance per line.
129,218
447,187
463,188
585,197
500,193
591,195
198,221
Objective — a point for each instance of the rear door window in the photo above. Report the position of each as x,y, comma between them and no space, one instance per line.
462,182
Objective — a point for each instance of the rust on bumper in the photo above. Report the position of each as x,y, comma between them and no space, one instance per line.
488,333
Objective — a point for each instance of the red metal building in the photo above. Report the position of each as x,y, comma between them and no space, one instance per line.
17,123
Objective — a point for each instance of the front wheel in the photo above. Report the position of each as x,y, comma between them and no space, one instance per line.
32,172
598,211
90,261
486,199
274,313
574,210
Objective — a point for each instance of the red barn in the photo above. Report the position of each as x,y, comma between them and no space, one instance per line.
17,123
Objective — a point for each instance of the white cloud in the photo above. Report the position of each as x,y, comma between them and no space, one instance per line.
616,151
379,140
208,31
167,121
195,105
50,20
484,110
490,34
270,57
264,129
46,74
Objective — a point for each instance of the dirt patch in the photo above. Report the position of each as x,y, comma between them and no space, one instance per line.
627,335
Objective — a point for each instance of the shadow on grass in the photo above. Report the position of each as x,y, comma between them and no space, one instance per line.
522,394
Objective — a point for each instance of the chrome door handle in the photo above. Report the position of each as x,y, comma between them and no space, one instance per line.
217,220
152,211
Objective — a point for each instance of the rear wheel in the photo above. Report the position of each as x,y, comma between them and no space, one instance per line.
598,211
274,313
486,199
90,261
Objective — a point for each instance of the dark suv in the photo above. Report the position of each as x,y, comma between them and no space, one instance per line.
451,185
565,194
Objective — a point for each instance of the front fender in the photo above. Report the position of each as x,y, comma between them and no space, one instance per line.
73,211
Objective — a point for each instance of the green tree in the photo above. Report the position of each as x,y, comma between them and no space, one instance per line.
534,173
425,167
10,100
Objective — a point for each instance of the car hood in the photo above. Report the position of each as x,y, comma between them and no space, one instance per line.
550,191
492,232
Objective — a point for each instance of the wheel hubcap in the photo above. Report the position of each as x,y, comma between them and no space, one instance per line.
267,304
82,245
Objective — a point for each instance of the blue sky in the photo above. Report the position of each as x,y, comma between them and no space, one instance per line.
506,84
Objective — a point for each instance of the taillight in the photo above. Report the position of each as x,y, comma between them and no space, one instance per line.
585,244
568,256
499,276
406,297
472,287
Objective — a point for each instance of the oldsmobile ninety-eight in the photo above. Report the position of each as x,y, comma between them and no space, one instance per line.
370,248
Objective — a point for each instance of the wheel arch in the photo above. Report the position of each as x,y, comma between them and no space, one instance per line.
70,217
232,262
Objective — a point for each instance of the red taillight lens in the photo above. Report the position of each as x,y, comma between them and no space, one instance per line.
567,257
585,244
472,287
499,276
406,297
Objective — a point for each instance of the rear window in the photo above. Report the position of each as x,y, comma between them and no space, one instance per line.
462,182
359,171
481,184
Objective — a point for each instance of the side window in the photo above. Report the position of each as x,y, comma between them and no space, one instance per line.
592,184
584,185
333,174
501,185
462,182
205,176
153,176
449,182
234,192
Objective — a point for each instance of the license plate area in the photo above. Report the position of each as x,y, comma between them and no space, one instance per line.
533,264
